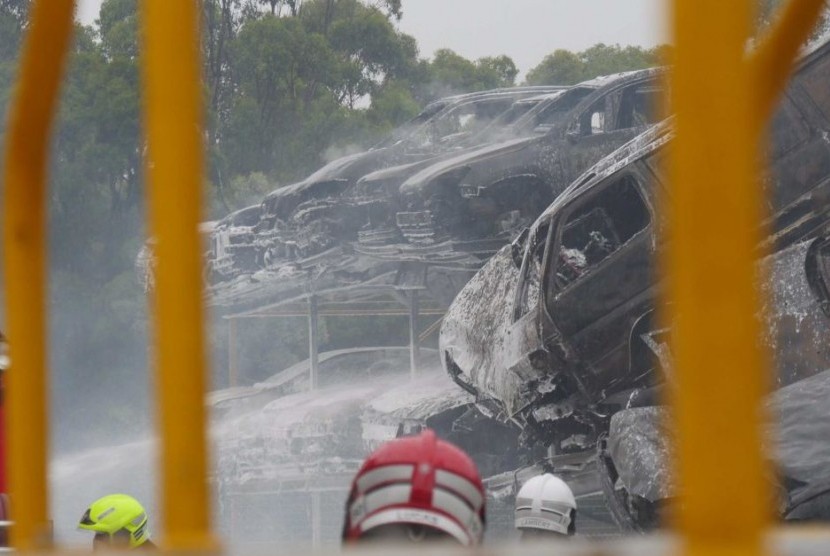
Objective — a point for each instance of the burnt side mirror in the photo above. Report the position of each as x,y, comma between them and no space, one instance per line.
572,137
517,247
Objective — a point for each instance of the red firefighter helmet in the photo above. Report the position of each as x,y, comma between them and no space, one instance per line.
417,480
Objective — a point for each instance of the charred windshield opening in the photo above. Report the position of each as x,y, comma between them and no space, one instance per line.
468,119
597,229
412,125
557,109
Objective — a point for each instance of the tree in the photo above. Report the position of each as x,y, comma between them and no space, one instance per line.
118,28
371,51
13,21
451,73
499,69
562,67
282,71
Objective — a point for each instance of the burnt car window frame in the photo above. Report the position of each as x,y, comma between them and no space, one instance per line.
557,110
430,128
538,239
586,105
550,291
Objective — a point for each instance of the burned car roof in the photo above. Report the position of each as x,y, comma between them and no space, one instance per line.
615,80
642,145
469,205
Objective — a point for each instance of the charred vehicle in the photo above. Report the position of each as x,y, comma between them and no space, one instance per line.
476,202
377,192
233,243
295,220
566,337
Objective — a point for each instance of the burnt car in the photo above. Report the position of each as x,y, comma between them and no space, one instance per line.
233,244
566,337
377,192
476,202
296,220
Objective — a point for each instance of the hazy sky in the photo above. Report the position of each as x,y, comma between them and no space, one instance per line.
525,30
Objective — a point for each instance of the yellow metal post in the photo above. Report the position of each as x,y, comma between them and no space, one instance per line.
172,87
722,100
24,229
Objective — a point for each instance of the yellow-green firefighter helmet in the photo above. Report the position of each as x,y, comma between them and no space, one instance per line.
117,516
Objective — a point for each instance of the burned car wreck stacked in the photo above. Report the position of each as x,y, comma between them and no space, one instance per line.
444,192
568,347
346,224
533,213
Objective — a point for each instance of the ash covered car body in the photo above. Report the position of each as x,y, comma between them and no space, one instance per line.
233,243
476,202
566,335
378,192
297,220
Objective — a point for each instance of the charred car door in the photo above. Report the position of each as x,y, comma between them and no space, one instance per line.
599,273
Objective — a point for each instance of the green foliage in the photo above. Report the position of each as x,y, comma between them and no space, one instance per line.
118,28
452,73
243,191
564,67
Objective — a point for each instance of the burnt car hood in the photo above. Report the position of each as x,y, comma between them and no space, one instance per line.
404,171
473,335
340,169
420,182
395,172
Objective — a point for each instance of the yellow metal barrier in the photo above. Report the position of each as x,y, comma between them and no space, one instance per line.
24,236
172,85
722,100
175,170
720,369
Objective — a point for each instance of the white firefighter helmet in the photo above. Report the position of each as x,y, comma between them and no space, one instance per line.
546,503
